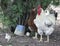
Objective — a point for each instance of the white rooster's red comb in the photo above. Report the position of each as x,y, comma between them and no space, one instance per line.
39,10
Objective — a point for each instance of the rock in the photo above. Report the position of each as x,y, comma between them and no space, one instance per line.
9,45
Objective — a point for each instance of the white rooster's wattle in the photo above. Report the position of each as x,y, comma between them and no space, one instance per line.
45,23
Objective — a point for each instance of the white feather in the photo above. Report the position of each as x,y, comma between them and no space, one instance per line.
8,37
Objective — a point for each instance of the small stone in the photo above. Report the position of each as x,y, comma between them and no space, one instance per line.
9,45
54,40
26,45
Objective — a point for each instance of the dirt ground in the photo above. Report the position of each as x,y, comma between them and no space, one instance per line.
27,41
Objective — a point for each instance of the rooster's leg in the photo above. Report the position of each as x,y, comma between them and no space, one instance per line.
41,39
47,38
35,37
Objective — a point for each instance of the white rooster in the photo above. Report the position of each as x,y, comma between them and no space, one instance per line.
44,22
